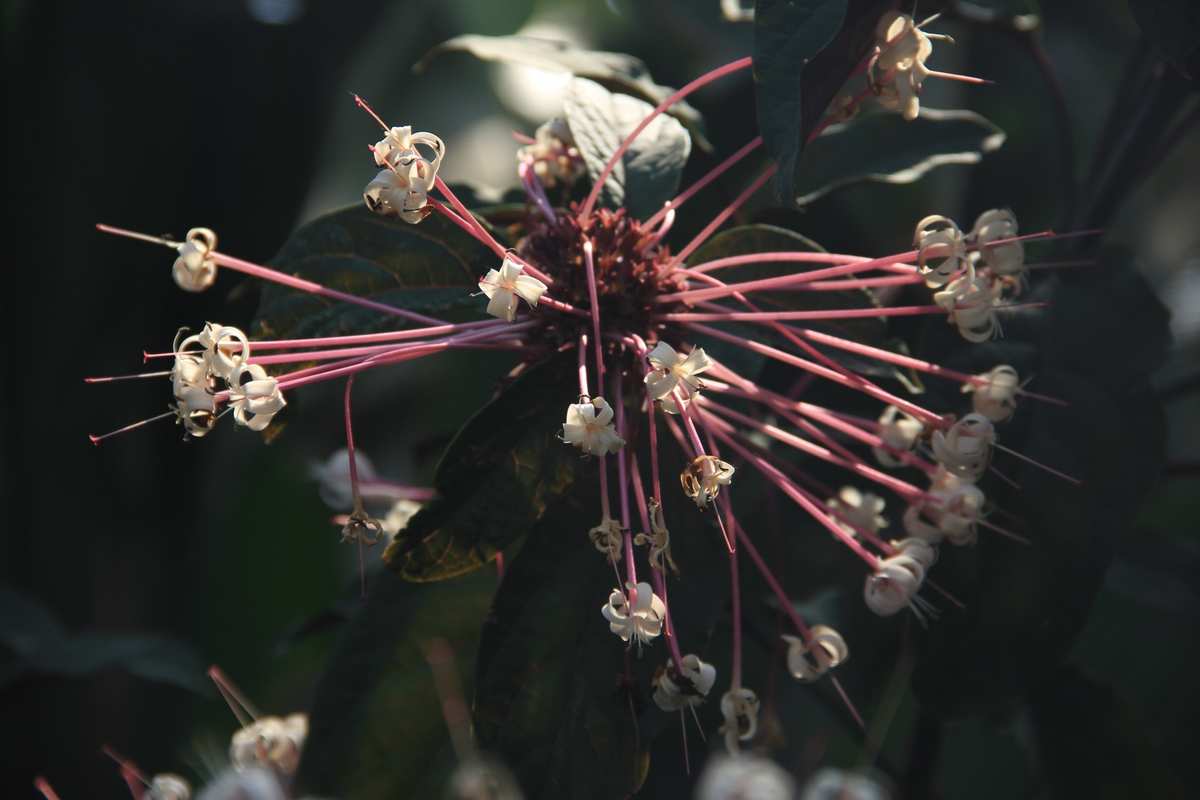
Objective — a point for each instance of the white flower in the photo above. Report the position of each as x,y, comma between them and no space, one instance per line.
333,477
903,50
168,787
923,551
670,369
744,777
824,650
553,155
255,397
858,511
971,303
952,513
224,348
1003,259
194,270
642,623
834,784
739,707
900,432
966,448
589,427
481,779
674,693
892,586
607,537
995,399
271,743
703,478
399,148
941,250
403,194
251,784
504,286
659,539
398,516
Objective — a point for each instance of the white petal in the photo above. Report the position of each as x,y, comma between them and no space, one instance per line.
503,305
663,356
490,283
660,384
530,289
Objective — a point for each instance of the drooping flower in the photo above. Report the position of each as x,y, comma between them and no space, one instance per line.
703,478
952,512
903,49
743,777
861,511
255,397
642,622
271,743
658,539
893,584
1006,259
675,692
589,426
836,784
899,432
941,249
402,188
670,369
824,650
970,301
739,707
506,285
996,397
194,269
167,786
607,538
965,449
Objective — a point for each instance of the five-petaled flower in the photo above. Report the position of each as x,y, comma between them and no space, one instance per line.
670,370
643,621
504,286
589,426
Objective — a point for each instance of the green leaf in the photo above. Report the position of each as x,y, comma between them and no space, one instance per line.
1174,27
883,147
648,173
787,35
549,699
430,268
495,479
375,727
614,71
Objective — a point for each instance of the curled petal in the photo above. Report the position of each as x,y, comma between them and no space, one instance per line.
996,397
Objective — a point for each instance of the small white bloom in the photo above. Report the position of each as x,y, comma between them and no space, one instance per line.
893,584
553,155
995,399
670,369
902,51
400,146
168,787
941,249
589,426
1003,259
398,516
255,397
923,551
482,779
858,511
970,301
900,432
703,478
744,777
643,622
194,269
250,784
824,650
403,194
607,537
952,513
673,692
658,540
739,707
834,784
270,743
966,448
504,286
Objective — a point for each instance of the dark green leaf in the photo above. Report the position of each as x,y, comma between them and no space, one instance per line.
376,728
1174,27
495,479
787,35
430,268
615,71
648,173
886,148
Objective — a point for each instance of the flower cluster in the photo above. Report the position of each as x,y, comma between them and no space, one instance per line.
214,365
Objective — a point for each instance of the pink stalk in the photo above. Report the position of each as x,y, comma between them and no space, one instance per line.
623,482
735,591
768,576
725,214
614,159
96,440
533,188
481,233
796,316
559,305
237,702
330,355
43,786
594,301
116,378
449,214
392,490
712,175
656,576
358,504
605,508
366,338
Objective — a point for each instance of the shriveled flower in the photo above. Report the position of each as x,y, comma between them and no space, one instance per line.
903,50
893,584
900,432
739,707
658,539
952,513
607,538
362,528
824,650
836,784
589,426
703,478
744,777
194,269
255,397
996,397
506,285
861,511
271,743
553,156
674,692
941,249
167,786
669,369
965,449
643,622
1007,259
970,301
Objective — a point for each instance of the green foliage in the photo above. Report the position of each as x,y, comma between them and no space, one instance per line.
495,480
648,173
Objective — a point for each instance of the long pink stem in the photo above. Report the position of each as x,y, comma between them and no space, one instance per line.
712,175
623,480
719,220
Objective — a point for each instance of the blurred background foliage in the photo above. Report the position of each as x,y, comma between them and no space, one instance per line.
127,569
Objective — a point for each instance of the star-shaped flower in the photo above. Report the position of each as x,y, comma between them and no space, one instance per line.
504,286
589,427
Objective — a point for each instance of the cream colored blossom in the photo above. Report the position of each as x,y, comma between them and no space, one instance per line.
744,777
898,69
971,304
255,397
670,370
553,155
739,707
893,584
673,692
703,478
1007,259
271,743
642,622
194,269
168,787
824,650
952,512
658,539
941,249
504,286
996,397
589,426
858,511
965,449
900,432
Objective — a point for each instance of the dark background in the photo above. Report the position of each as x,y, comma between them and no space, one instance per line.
236,115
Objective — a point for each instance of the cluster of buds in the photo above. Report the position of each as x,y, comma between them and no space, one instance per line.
552,156
402,187
215,361
272,743
674,691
